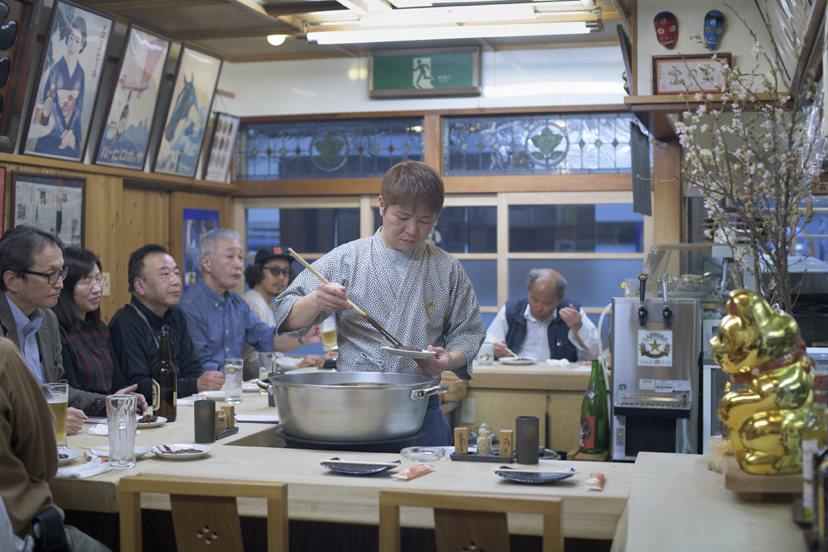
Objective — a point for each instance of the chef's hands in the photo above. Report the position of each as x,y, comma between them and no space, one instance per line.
142,401
571,316
500,350
211,380
74,420
443,361
332,297
316,360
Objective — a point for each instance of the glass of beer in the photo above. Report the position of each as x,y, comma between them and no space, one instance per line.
57,395
328,330
233,380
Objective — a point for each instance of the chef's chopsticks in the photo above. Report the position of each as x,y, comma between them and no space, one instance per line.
394,341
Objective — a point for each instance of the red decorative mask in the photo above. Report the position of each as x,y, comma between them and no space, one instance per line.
666,26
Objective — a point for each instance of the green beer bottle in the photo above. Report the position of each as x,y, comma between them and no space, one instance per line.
594,414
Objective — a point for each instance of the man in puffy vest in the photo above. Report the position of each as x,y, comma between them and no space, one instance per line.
546,324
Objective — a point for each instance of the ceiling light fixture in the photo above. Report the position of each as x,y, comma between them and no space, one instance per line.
438,33
457,15
276,40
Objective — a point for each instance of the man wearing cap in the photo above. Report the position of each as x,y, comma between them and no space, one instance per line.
267,277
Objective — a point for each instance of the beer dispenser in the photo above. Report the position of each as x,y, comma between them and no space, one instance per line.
655,351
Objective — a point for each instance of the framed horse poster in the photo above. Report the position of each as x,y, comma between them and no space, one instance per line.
68,81
124,139
196,77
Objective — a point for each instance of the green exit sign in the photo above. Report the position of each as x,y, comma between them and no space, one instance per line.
419,73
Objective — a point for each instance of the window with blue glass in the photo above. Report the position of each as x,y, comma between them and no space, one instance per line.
611,228
327,149
304,230
537,144
462,229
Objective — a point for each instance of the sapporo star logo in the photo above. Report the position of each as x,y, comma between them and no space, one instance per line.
654,349
654,346
431,305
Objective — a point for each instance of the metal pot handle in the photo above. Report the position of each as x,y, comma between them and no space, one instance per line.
263,384
423,393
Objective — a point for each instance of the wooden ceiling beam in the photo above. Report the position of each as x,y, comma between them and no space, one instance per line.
120,6
209,34
290,8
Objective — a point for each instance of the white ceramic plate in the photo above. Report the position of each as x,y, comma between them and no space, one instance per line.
156,423
250,388
70,455
104,451
409,354
517,361
161,451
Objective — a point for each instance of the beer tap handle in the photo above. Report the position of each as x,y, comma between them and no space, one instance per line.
666,313
642,309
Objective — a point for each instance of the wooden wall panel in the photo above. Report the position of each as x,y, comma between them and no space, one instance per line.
103,228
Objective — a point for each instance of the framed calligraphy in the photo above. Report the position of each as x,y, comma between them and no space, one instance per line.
124,139
68,82
689,74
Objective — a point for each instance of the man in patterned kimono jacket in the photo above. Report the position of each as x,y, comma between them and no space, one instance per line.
416,291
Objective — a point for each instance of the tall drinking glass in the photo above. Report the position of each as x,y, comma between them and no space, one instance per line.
328,330
233,380
120,415
57,395
267,366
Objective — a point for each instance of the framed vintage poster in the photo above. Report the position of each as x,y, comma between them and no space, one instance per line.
196,77
690,74
197,222
220,147
124,139
17,42
68,81
52,203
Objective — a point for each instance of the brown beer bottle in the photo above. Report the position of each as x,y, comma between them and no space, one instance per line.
165,394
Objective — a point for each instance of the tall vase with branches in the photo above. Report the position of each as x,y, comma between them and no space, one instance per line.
750,152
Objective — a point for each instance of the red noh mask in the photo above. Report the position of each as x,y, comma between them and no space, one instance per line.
666,26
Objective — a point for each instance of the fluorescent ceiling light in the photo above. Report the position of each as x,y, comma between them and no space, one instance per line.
457,14
437,33
276,40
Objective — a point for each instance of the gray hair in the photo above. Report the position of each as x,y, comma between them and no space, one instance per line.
209,241
560,281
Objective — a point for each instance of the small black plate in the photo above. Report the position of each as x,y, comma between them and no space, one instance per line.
357,469
532,478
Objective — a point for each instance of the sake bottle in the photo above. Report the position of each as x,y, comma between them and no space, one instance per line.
594,414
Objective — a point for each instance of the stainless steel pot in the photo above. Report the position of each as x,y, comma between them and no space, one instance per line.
317,406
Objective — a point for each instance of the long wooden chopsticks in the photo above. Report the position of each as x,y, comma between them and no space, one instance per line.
394,341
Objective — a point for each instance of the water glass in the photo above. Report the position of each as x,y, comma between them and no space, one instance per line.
267,365
486,354
120,416
57,395
233,380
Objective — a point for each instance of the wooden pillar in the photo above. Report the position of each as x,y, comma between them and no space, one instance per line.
667,197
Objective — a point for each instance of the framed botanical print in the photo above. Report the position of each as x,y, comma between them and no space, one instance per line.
68,81
124,139
53,203
220,147
196,77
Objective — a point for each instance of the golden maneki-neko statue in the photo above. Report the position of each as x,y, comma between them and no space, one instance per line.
760,347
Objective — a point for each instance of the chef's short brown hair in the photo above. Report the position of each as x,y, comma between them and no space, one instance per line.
413,183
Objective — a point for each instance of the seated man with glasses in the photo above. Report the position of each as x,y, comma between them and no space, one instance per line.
544,325
267,277
31,263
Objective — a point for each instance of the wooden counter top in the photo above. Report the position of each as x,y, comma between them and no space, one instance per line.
318,494
677,504
533,377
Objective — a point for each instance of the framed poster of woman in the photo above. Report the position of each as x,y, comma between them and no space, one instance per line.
68,80
196,78
124,139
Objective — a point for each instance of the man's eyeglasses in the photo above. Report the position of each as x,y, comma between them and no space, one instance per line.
51,277
275,271
89,282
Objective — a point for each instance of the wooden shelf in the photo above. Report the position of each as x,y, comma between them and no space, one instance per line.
677,102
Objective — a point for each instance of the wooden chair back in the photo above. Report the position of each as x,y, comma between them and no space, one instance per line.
468,522
205,514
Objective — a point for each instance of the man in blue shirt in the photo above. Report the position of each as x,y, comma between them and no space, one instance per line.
219,320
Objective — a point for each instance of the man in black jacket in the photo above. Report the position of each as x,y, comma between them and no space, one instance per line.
155,284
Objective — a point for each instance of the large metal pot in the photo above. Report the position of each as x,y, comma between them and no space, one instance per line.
317,406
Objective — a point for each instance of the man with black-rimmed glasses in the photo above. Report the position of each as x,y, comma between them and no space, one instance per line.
31,265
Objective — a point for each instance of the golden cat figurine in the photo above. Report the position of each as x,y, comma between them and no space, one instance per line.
760,346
